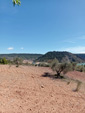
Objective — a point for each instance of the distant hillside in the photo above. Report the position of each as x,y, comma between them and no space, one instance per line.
82,56
61,56
23,56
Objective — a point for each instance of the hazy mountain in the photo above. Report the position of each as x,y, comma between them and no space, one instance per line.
23,56
82,56
61,56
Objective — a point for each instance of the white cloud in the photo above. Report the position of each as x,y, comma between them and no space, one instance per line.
79,49
10,48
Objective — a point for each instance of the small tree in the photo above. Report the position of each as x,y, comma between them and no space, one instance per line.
3,61
60,67
74,64
18,61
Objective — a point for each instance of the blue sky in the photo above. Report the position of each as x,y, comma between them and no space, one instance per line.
39,26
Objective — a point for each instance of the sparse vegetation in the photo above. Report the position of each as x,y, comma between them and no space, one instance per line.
3,61
80,68
17,61
43,64
78,85
61,56
22,56
60,67
73,65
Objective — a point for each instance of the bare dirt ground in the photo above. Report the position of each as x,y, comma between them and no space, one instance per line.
24,90
77,75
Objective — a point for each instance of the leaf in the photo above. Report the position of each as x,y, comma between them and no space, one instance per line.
16,2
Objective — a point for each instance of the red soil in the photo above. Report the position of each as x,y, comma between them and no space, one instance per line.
77,75
24,90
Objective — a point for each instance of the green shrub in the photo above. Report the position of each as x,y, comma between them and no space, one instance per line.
80,68
3,61
73,65
60,67
17,62
43,64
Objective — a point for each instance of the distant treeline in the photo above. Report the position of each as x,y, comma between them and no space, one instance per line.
22,56
62,56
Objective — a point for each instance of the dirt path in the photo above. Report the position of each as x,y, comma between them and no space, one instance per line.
24,90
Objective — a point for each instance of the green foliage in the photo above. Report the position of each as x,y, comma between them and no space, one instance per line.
66,67
18,61
60,67
3,61
80,68
74,64
22,56
54,65
16,2
43,64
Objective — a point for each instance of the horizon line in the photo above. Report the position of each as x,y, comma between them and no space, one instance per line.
39,53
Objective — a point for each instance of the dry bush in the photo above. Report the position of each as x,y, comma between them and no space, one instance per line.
60,67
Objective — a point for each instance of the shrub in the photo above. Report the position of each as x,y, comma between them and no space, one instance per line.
80,68
18,61
73,64
60,67
3,61
43,64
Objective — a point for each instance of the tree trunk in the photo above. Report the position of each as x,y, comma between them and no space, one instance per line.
58,75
